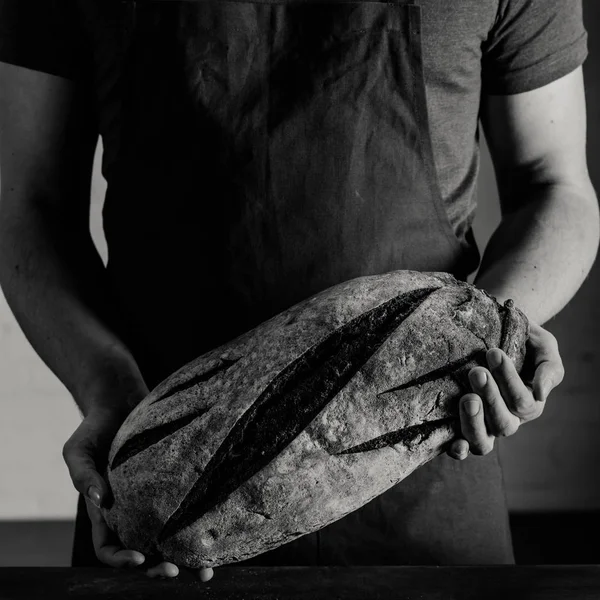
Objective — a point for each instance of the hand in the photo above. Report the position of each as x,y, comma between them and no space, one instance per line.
502,400
85,453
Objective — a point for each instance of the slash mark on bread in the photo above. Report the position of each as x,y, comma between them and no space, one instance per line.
202,378
506,322
145,439
452,370
402,436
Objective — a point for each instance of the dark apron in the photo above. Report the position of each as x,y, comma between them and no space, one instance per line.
270,150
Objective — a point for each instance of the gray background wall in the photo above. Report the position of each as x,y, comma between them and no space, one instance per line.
550,464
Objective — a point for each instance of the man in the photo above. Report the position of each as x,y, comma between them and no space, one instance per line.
256,153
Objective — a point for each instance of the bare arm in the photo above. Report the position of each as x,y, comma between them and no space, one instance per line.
55,281
50,272
548,238
539,255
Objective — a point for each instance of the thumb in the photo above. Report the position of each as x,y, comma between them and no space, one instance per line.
549,368
79,456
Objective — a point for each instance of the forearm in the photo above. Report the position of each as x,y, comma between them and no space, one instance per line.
540,254
55,284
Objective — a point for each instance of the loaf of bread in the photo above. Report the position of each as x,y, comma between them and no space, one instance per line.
304,419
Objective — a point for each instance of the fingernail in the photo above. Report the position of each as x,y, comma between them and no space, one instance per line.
94,495
494,358
478,378
471,407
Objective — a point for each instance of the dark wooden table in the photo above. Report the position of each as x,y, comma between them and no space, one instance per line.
579,582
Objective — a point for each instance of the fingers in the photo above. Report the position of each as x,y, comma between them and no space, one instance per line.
167,569
163,569
205,574
82,470
106,544
511,389
85,452
79,453
497,416
459,450
514,391
483,415
502,401
473,425
547,377
110,551
549,368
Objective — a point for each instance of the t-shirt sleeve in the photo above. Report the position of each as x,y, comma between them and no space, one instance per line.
532,44
42,35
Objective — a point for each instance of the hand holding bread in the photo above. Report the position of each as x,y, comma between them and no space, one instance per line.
305,418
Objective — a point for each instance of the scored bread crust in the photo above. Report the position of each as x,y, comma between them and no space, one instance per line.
174,466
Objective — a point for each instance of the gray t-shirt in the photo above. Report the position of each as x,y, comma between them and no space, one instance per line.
470,47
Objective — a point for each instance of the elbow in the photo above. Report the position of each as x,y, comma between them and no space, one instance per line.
589,201
583,202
